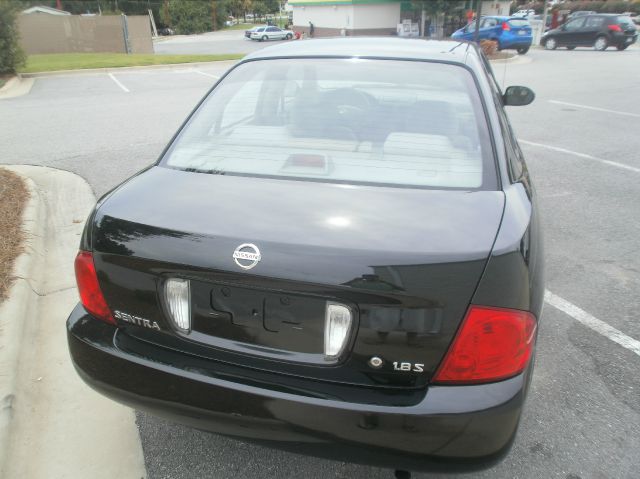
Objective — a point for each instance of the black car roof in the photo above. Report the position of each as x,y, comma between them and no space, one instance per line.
395,48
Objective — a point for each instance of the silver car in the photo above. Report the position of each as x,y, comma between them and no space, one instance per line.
271,33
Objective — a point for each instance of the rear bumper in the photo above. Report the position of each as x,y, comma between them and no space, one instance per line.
520,41
453,428
623,39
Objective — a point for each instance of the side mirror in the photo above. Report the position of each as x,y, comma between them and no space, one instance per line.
518,96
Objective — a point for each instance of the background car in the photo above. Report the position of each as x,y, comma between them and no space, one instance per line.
540,18
524,13
511,33
271,33
247,33
599,30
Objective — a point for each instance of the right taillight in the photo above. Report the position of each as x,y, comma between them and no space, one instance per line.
89,288
615,28
492,344
505,26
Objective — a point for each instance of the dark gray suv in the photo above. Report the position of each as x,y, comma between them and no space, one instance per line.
597,30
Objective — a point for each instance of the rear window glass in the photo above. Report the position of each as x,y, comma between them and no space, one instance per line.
380,122
518,22
625,20
594,21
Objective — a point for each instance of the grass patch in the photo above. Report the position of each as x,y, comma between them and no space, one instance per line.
2,82
13,197
242,26
79,61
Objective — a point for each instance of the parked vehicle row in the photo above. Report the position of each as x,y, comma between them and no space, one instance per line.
597,30
511,33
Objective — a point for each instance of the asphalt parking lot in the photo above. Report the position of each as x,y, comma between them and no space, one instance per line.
582,140
223,41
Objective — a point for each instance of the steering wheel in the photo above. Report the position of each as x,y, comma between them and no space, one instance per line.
352,107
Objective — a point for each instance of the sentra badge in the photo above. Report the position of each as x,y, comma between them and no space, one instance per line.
137,320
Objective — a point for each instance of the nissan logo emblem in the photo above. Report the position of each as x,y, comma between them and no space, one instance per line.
247,255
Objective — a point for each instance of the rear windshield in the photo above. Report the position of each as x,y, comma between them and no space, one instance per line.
383,122
625,20
519,22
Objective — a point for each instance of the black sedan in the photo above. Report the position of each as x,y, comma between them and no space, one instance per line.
338,253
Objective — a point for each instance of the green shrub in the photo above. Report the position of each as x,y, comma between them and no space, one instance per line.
11,55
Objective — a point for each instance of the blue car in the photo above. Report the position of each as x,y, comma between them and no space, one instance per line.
511,33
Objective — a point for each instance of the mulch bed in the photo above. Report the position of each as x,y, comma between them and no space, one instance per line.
4,79
13,198
501,56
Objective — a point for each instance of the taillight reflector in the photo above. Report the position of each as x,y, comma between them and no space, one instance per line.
615,28
178,294
337,325
89,288
492,344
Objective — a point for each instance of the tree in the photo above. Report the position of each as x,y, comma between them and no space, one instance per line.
11,55
239,8
433,7
194,16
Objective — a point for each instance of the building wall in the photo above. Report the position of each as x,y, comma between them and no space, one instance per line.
494,7
385,15
323,16
76,34
358,19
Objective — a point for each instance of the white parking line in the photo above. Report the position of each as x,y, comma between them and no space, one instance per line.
592,322
581,155
586,107
126,90
206,74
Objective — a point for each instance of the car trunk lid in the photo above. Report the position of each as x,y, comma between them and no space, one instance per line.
519,27
406,261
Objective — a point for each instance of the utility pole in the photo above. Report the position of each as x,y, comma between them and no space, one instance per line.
544,18
476,35
214,15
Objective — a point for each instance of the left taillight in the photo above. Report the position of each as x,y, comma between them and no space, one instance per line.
615,28
90,293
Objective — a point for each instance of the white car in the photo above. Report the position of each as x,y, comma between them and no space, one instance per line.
271,33
524,13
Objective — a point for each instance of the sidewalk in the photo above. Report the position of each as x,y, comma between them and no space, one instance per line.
93,71
54,426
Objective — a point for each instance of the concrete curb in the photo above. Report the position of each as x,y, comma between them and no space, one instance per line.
9,84
16,86
16,311
52,422
96,71
515,60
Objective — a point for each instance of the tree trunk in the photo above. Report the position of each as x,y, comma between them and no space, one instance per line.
214,16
